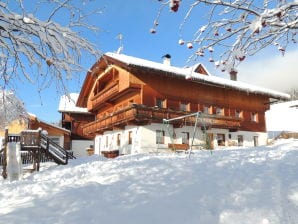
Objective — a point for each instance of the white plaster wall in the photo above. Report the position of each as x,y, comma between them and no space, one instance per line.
97,144
79,147
248,138
148,137
108,141
144,139
216,131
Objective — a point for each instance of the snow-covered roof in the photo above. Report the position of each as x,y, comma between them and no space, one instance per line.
283,117
68,104
193,76
33,116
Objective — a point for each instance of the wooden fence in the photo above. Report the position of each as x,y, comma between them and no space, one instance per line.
27,158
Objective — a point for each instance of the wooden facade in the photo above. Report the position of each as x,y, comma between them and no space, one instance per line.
74,118
121,93
52,130
117,96
74,122
33,123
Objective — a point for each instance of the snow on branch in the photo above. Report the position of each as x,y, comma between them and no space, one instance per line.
11,108
54,50
239,28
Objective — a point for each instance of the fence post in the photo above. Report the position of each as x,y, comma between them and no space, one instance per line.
4,171
14,164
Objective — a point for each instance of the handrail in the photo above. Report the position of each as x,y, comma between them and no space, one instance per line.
58,153
141,113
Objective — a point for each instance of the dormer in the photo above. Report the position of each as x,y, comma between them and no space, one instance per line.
199,68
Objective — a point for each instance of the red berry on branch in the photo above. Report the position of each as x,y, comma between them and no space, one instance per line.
174,5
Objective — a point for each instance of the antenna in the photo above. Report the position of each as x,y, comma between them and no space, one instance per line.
120,38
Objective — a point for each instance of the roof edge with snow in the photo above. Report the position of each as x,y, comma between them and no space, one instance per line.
68,104
193,76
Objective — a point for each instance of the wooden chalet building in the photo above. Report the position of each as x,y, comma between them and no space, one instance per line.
73,119
130,98
59,135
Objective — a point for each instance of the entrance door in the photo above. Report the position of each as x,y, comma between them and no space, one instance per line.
210,143
221,140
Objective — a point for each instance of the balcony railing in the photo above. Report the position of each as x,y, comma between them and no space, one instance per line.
104,95
139,114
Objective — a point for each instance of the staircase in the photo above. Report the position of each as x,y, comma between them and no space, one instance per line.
55,151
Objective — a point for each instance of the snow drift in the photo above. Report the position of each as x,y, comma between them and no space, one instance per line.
245,185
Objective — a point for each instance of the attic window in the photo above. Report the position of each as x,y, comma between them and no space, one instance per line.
200,69
238,113
160,103
254,116
184,106
207,109
219,111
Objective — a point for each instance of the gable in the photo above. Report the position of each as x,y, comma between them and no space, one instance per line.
35,123
201,70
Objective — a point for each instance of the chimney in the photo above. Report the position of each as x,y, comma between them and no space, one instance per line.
166,59
233,75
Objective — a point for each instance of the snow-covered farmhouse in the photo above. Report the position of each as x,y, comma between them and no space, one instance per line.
144,106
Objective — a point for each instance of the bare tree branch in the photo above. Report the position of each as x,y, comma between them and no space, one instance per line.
11,108
235,29
54,50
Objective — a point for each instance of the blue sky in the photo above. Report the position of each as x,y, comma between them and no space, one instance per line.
133,19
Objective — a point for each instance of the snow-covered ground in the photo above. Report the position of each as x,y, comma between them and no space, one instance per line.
232,186
283,117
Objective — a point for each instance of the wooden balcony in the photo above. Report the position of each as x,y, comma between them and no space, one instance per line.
142,115
104,95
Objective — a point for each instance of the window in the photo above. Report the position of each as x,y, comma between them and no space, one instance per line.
240,140
107,141
130,137
184,106
254,116
238,114
256,141
67,125
207,110
185,137
160,103
221,139
118,139
219,111
160,137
